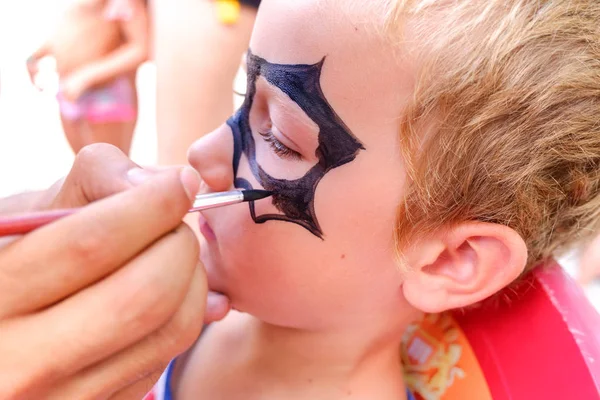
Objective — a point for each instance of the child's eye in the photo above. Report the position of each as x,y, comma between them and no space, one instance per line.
279,148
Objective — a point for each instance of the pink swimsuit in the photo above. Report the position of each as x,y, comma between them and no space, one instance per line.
111,103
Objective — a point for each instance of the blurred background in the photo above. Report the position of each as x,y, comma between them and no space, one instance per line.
33,150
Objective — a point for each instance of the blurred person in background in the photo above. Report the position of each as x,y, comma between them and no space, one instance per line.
98,46
198,48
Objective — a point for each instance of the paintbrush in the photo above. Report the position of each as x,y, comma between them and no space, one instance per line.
23,223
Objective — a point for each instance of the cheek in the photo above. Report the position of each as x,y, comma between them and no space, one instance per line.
269,270
283,274
261,207
358,209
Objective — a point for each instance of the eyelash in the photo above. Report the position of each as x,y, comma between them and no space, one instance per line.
279,148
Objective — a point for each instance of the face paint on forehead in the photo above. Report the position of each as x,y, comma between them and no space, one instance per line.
336,144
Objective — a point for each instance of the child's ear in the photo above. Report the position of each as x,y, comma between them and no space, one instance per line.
463,266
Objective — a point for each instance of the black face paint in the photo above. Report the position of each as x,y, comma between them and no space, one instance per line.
337,145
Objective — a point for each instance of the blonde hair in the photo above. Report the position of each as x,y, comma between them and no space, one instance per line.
514,89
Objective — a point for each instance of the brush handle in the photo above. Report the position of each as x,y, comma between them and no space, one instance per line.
25,223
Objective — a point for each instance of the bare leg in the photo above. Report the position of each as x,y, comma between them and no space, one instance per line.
75,133
196,58
119,134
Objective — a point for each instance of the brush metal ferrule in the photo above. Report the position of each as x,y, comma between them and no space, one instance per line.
210,200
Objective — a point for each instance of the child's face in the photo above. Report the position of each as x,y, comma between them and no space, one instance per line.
318,128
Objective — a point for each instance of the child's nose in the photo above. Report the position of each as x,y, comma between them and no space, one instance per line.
212,157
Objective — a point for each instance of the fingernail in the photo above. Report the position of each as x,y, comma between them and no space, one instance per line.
138,176
190,181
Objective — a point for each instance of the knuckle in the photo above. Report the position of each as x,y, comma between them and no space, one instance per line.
142,386
142,309
189,320
94,151
183,330
169,196
170,203
153,300
90,248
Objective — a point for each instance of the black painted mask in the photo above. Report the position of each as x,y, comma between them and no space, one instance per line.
336,144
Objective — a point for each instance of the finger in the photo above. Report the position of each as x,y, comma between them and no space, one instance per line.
105,318
58,259
162,168
6,240
148,356
217,307
139,389
99,170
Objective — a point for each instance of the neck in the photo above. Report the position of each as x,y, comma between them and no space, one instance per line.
356,364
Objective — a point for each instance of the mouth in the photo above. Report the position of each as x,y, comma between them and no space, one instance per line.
205,228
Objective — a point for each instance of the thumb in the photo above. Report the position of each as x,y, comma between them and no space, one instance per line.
100,170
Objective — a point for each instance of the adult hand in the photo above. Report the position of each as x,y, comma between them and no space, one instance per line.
96,304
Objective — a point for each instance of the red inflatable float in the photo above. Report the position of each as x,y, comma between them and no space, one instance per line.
539,339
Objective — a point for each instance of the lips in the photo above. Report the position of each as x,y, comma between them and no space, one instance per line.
205,228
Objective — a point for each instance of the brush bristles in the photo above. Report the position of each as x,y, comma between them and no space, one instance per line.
255,194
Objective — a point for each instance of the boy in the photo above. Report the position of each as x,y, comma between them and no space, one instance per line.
422,155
